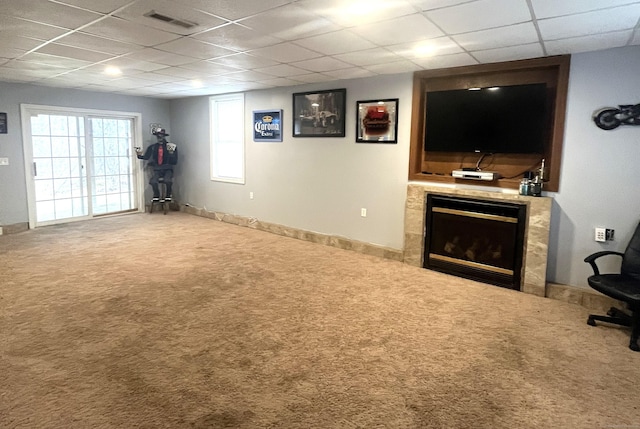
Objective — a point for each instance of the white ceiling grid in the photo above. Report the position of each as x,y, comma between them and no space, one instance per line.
234,45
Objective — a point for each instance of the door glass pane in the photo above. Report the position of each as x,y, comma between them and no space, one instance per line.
41,147
112,149
44,168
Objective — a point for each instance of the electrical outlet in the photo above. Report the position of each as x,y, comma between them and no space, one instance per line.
4,161
363,212
601,234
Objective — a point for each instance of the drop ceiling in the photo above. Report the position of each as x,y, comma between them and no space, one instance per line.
199,47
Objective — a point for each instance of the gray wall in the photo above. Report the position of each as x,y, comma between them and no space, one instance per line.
13,191
317,184
600,183
321,184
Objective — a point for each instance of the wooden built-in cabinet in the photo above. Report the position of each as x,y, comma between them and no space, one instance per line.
437,167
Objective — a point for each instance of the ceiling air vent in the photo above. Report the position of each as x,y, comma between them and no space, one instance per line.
164,18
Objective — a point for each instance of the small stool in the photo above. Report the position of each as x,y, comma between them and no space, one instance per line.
163,202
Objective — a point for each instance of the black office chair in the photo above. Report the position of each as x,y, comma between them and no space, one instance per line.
623,287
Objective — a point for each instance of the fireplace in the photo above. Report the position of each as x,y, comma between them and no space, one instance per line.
478,239
536,235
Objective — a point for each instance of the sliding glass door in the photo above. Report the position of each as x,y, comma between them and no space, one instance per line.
82,164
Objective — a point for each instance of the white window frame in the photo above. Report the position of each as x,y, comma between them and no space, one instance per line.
216,102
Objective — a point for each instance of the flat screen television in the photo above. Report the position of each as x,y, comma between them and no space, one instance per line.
501,119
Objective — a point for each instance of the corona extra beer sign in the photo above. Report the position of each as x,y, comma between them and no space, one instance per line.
267,125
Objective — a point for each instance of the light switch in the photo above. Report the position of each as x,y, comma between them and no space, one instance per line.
4,161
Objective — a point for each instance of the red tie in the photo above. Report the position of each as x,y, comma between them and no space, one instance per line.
160,154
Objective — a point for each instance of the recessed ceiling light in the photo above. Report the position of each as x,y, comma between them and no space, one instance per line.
197,83
425,50
475,88
494,88
113,71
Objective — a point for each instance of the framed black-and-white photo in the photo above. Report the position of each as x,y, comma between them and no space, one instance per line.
377,121
3,123
319,113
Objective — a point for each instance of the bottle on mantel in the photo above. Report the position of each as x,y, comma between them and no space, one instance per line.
536,185
525,183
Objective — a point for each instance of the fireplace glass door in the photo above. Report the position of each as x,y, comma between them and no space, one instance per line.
477,239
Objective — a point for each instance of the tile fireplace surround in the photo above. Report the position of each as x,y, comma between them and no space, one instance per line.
536,240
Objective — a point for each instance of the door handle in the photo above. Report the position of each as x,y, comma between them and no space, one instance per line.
35,169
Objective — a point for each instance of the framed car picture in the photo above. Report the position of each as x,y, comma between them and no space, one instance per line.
319,113
377,121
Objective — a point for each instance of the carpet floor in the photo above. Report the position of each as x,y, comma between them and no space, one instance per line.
110,324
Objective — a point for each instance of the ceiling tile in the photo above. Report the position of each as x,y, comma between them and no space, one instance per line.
12,25
312,78
194,48
442,61
128,66
210,68
282,70
99,44
156,77
103,6
588,43
173,86
584,24
426,48
31,65
61,82
281,81
180,72
552,8
322,64
71,52
14,41
396,67
83,77
237,37
337,42
521,52
234,9
15,75
518,34
249,76
405,29
480,15
285,52
131,82
126,31
361,12
437,4
289,22
245,61
7,52
54,61
46,12
161,57
350,73
201,21
369,57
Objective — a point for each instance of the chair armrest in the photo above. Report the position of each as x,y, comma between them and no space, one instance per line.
591,259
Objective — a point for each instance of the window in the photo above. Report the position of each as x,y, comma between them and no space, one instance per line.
227,138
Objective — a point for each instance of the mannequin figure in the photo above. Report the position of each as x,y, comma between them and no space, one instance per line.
162,156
